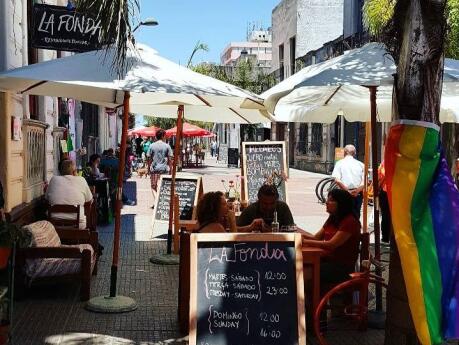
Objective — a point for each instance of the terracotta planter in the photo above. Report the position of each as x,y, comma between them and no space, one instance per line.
4,256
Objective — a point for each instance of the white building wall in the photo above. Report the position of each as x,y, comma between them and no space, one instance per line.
284,27
318,21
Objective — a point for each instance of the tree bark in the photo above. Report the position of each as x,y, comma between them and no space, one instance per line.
416,41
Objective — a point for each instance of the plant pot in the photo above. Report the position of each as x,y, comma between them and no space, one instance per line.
4,256
4,332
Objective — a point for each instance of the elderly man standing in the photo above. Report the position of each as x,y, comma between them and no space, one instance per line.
348,174
69,189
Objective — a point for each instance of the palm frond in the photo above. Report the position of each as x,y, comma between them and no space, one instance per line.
115,18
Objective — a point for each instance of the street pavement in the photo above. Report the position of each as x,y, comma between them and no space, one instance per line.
53,314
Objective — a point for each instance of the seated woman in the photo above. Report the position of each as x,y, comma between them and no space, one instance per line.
215,216
339,236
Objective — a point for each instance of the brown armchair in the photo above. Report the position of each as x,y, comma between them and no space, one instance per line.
57,255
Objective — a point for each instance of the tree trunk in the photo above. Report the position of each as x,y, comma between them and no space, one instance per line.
416,39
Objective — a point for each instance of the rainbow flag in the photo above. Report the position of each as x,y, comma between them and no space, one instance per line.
424,204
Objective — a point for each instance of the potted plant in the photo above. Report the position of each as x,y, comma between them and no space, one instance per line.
11,233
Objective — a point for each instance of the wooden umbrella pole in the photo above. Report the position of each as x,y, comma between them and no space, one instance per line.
374,163
177,148
119,194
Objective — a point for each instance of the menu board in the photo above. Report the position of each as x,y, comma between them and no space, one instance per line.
233,157
223,153
246,289
186,187
262,160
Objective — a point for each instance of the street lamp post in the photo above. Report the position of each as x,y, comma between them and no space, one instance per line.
146,22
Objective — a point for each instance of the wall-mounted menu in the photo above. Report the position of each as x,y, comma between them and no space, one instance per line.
246,289
223,153
186,187
264,161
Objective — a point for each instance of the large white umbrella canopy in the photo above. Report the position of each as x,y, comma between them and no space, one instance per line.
154,82
318,93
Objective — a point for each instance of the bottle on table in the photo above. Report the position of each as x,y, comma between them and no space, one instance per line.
275,223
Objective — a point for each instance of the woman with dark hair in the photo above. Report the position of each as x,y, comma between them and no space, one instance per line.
339,237
213,213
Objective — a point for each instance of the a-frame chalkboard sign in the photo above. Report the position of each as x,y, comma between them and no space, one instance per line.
261,160
187,187
246,289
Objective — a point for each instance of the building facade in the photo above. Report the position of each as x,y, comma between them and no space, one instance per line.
32,128
298,27
305,33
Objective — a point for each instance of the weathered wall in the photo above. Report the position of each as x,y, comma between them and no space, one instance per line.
319,21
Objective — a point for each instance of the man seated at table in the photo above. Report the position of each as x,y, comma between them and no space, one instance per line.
69,189
339,237
263,210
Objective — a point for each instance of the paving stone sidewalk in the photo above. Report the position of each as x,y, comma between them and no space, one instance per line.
53,314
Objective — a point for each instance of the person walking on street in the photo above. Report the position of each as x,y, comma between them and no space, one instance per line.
348,174
160,154
213,148
138,146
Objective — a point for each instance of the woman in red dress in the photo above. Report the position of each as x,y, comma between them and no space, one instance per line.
339,237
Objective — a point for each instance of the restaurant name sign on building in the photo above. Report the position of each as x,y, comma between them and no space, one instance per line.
60,28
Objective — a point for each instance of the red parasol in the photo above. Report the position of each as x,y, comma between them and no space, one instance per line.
189,130
145,132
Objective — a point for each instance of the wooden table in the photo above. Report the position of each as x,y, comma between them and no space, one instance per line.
311,260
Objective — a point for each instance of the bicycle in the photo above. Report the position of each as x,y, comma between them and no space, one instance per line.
335,318
325,185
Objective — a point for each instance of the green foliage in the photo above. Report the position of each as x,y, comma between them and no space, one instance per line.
10,233
377,14
199,46
164,123
115,18
452,41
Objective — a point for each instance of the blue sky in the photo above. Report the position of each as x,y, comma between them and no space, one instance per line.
215,22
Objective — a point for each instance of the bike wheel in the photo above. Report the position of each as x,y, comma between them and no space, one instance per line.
326,187
345,311
319,188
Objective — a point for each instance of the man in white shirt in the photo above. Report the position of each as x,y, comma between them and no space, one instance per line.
348,174
69,189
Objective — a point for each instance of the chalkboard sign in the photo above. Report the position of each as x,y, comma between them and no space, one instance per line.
187,188
233,157
246,289
223,153
261,160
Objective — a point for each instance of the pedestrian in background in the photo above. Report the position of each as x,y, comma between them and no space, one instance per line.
348,174
161,154
384,204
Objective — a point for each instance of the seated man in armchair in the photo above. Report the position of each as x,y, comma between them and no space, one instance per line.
69,189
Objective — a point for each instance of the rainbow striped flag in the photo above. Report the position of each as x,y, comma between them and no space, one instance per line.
424,205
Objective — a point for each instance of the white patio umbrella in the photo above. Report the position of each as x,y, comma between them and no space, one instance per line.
339,86
318,93
148,80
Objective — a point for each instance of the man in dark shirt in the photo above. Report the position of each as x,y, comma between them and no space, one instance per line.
263,209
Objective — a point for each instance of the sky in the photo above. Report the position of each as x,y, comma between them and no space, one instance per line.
214,22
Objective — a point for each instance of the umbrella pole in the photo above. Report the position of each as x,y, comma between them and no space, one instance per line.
365,180
178,141
114,303
374,163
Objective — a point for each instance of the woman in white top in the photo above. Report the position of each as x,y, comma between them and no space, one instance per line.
69,189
